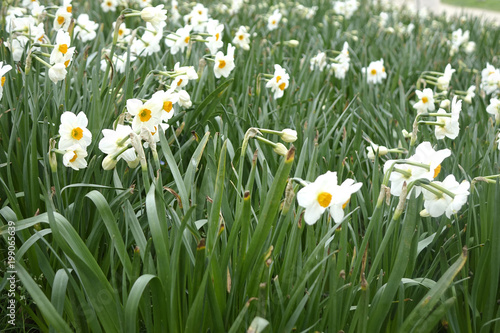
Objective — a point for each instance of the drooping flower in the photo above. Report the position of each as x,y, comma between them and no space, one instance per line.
154,15
74,157
324,194
443,82
437,202
73,130
57,72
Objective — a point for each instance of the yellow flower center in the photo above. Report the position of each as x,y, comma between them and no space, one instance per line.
77,133
282,86
167,106
2,80
109,3
374,71
241,37
66,63
41,38
437,171
145,115
179,82
74,157
200,12
120,32
278,78
222,63
60,20
273,22
156,130
63,48
186,40
383,69
69,9
425,99
345,204
324,199
217,36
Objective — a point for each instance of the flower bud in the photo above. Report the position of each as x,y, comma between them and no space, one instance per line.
424,213
445,104
292,43
288,135
376,149
280,149
148,13
109,163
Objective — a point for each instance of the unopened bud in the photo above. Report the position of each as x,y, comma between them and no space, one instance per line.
288,135
280,149
109,163
292,43
424,213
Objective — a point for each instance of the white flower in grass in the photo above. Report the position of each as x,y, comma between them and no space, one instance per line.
242,38
123,32
149,43
318,61
143,3
437,203
470,94
274,20
494,108
448,127
109,5
62,19
224,64
184,99
3,70
57,72
490,79
73,130
185,73
197,18
74,157
324,194
169,98
279,82
145,114
470,47
214,41
61,51
375,72
424,154
180,40
114,141
85,29
425,101
154,15
443,82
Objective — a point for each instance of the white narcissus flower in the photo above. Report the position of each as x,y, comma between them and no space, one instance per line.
61,51
494,108
169,98
436,205
279,82
145,114
274,20
57,72
324,194
183,75
375,72
75,157
123,32
3,71
214,41
224,64
426,101
109,5
470,94
73,130
242,38
318,61
424,154
448,127
184,99
114,141
62,19
490,79
197,18
180,40
149,43
85,29
154,15
443,82
143,3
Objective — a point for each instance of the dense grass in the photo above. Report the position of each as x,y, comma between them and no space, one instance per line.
209,237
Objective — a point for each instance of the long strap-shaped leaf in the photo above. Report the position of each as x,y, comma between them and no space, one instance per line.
430,300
